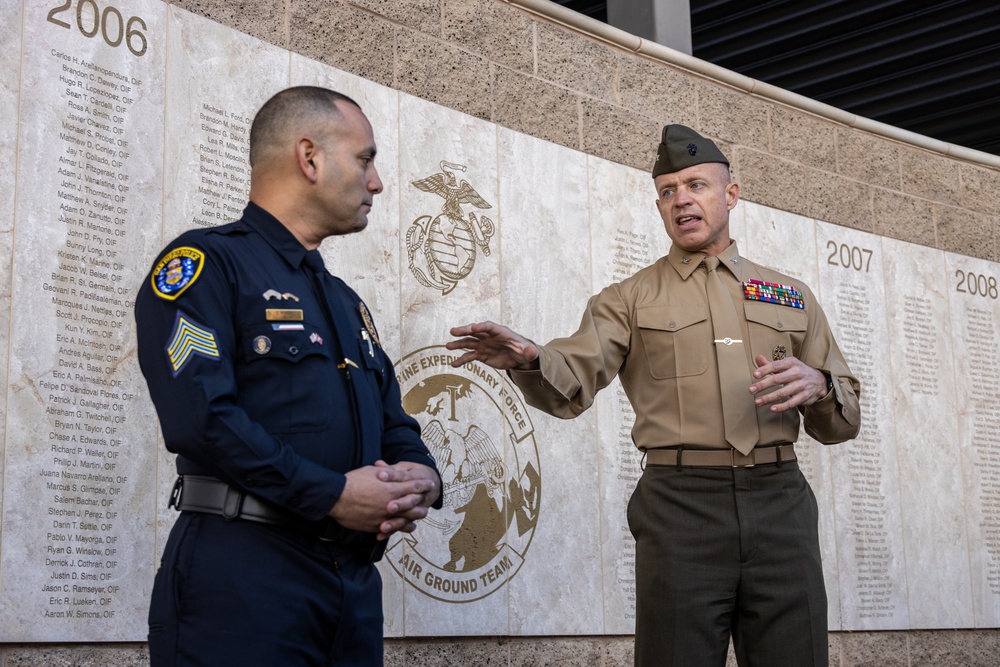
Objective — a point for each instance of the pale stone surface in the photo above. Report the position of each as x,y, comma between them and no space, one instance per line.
449,225
803,138
546,282
78,474
424,15
868,158
590,67
871,649
464,85
620,135
929,175
656,92
626,234
528,104
964,232
340,35
475,25
980,188
865,474
904,217
774,182
726,114
923,394
263,19
975,325
10,71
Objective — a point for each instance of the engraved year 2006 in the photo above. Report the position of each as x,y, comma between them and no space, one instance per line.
976,284
849,256
110,23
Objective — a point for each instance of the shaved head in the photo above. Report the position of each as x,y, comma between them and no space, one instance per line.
302,110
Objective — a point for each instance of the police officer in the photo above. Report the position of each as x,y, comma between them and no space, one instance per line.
718,357
296,459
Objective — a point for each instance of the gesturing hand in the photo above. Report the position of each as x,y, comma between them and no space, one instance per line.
495,345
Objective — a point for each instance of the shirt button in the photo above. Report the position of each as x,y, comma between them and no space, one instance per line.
293,350
780,325
671,324
250,481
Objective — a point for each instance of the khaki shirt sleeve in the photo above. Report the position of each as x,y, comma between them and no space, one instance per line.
837,416
572,370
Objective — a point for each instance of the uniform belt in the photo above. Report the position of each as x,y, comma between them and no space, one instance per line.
720,458
197,493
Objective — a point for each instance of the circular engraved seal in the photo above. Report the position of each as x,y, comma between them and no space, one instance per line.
477,428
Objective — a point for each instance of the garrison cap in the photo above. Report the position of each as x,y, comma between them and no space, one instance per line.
681,147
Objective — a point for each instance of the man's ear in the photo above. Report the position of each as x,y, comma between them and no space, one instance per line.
306,152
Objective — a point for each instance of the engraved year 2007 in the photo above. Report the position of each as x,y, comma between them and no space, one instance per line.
849,256
976,284
110,23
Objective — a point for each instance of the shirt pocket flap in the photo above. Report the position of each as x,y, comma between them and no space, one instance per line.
262,341
669,318
780,318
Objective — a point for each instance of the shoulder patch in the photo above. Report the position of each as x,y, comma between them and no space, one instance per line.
190,339
177,271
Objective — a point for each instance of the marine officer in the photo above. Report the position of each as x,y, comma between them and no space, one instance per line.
720,358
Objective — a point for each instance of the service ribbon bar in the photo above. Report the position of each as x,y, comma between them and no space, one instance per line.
784,295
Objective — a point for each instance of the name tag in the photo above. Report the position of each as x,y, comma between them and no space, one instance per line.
283,314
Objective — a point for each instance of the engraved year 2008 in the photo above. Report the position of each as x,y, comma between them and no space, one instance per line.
110,23
976,284
849,256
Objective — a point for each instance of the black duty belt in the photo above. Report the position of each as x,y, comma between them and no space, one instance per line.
720,458
197,493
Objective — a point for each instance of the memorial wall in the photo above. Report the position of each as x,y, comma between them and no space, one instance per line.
132,122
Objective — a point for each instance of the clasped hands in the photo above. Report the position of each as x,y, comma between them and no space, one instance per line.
386,499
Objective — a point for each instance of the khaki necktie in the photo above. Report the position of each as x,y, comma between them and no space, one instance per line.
738,410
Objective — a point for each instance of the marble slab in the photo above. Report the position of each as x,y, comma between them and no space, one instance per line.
626,234
10,74
975,327
77,536
866,476
546,250
927,436
457,565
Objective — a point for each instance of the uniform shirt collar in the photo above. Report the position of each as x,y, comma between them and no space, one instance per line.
685,262
275,233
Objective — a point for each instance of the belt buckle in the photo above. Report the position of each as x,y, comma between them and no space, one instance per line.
752,456
175,493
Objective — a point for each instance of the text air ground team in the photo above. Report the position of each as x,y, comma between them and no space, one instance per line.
297,460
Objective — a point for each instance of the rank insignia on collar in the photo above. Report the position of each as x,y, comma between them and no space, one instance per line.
783,295
176,271
275,294
778,353
188,340
366,317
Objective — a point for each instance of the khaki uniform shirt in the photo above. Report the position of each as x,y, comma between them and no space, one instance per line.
654,329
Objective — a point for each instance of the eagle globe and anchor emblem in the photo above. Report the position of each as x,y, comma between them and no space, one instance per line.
442,249
478,430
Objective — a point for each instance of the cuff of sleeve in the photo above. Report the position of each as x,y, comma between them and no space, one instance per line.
313,491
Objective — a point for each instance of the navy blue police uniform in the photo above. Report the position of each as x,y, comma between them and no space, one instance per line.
270,384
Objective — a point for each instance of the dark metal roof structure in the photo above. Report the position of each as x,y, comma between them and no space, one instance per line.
929,67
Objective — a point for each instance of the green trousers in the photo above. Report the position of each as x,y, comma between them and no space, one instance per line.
726,552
